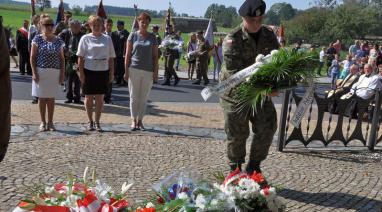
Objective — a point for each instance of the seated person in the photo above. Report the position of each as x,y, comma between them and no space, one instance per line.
342,88
345,85
366,86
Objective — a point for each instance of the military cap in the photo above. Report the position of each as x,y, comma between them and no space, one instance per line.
252,8
121,23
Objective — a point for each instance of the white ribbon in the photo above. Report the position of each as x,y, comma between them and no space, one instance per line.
237,78
303,106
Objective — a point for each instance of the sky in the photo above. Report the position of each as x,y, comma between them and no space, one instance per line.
191,7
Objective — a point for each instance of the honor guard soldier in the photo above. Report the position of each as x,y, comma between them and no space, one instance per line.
240,49
202,59
169,57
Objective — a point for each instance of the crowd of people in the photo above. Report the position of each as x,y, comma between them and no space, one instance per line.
85,59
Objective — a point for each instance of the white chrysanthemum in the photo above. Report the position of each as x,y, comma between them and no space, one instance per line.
150,205
200,201
183,196
248,189
214,202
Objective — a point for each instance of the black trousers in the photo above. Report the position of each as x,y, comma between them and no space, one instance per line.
73,87
169,68
119,69
24,60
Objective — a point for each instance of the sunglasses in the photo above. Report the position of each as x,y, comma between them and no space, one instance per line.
48,25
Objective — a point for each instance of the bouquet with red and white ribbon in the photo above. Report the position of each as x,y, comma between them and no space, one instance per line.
250,192
77,195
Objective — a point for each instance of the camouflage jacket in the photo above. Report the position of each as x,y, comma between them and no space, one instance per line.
240,51
60,27
203,49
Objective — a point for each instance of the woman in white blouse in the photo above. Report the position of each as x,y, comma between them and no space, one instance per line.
96,67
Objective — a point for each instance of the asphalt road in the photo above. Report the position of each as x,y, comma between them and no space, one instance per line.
184,92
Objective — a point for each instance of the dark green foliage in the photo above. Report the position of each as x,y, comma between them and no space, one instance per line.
285,70
224,16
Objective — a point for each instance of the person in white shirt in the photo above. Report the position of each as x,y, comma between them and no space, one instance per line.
96,67
218,58
322,60
367,84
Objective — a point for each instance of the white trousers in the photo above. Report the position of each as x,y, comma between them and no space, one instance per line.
140,83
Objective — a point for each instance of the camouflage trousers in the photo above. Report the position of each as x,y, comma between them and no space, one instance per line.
264,125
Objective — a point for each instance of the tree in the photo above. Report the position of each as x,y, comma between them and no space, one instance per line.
280,12
76,10
42,4
224,16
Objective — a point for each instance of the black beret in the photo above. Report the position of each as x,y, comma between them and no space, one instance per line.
120,23
252,8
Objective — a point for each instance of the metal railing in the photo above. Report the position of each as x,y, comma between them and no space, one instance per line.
346,124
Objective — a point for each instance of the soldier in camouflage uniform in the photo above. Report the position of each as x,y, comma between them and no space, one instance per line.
63,24
240,48
202,59
169,57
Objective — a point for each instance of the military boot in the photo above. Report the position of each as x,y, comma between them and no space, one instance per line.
234,166
253,166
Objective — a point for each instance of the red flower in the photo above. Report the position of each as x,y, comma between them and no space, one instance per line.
235,174
266,190
60,187
160,200
121,204
79,187
257,177
146,210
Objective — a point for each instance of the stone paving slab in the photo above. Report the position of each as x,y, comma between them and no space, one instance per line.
185,114
311,180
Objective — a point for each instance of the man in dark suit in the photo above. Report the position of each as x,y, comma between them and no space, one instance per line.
5,94
22,48
119,38
108,26
71,38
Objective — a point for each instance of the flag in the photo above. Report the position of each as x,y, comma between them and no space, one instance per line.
135,25
101,11
60,12
281,34
209,34
168,22
33,3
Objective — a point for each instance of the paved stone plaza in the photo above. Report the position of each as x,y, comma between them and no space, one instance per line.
180,136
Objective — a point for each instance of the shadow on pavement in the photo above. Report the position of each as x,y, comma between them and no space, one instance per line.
167,89
339,155
161,112
21,78
332,199
108,109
